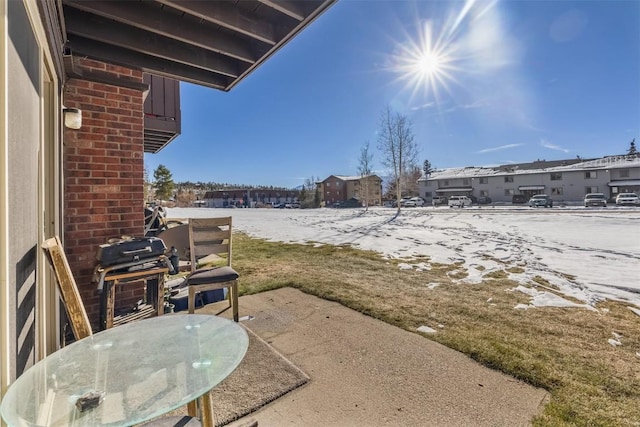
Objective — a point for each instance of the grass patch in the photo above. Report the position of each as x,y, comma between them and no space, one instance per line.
497,274
565,351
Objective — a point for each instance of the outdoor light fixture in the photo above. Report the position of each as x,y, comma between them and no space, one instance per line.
72,118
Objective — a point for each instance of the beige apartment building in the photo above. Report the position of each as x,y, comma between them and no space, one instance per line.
566,181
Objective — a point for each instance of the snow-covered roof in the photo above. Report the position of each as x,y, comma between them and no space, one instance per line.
352,178
611,162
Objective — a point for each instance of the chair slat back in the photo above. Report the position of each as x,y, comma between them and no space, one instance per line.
68,289
209,236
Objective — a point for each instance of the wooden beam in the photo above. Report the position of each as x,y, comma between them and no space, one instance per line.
161,67
289,8
153,19
227,15
73,72
114,33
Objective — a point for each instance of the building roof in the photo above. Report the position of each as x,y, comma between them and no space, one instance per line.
351,178
610,162
209,43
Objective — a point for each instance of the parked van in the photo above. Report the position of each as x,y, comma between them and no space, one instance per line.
459,201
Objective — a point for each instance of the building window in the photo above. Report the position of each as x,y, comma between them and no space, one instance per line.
590,174
556,176
427,194
591,190
509,192
466,181
624,173
428,184
557,191
446,183
483,180
484,193
508,179
328,184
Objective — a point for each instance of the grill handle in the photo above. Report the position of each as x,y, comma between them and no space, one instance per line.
146,249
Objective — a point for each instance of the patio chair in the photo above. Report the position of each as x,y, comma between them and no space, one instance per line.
68,289
211,238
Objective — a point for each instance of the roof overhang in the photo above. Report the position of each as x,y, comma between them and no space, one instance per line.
209,43
627,183
531,187
451,190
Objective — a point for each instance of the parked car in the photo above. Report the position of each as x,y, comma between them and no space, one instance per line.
404,200
484,200
540,200
627,199
419,201
595,199
459,201
518,198
409,203
438,200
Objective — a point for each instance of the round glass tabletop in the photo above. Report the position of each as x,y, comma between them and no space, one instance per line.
128,374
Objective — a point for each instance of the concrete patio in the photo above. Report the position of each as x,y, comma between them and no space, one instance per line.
365,372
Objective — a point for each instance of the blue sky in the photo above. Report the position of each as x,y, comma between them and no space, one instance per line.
483,83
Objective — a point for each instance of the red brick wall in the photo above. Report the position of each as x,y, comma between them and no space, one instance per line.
103,175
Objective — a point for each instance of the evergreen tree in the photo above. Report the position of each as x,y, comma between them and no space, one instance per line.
163,182
632,148
426,168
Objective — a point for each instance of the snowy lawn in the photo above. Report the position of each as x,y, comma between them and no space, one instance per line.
549,296
587,254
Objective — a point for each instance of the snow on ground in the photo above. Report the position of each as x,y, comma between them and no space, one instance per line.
587,254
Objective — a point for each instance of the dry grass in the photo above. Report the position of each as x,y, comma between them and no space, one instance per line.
564,351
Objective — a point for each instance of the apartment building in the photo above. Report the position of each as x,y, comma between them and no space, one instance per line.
340,188
564,180
248,197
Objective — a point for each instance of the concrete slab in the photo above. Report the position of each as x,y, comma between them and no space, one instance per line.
365,372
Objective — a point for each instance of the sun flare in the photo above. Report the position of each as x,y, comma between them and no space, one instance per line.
429,64
426,64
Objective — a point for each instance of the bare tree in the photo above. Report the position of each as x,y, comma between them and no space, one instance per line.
366,162
398,148
312,196
410,178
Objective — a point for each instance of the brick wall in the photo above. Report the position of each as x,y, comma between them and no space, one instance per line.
103,175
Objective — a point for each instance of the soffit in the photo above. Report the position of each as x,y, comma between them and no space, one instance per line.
209,43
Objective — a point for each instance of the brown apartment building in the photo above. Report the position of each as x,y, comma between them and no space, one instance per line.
338,188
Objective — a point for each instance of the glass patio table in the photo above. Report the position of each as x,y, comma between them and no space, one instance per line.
136,372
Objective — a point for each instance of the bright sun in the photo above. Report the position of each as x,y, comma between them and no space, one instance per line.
429,64
426,64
